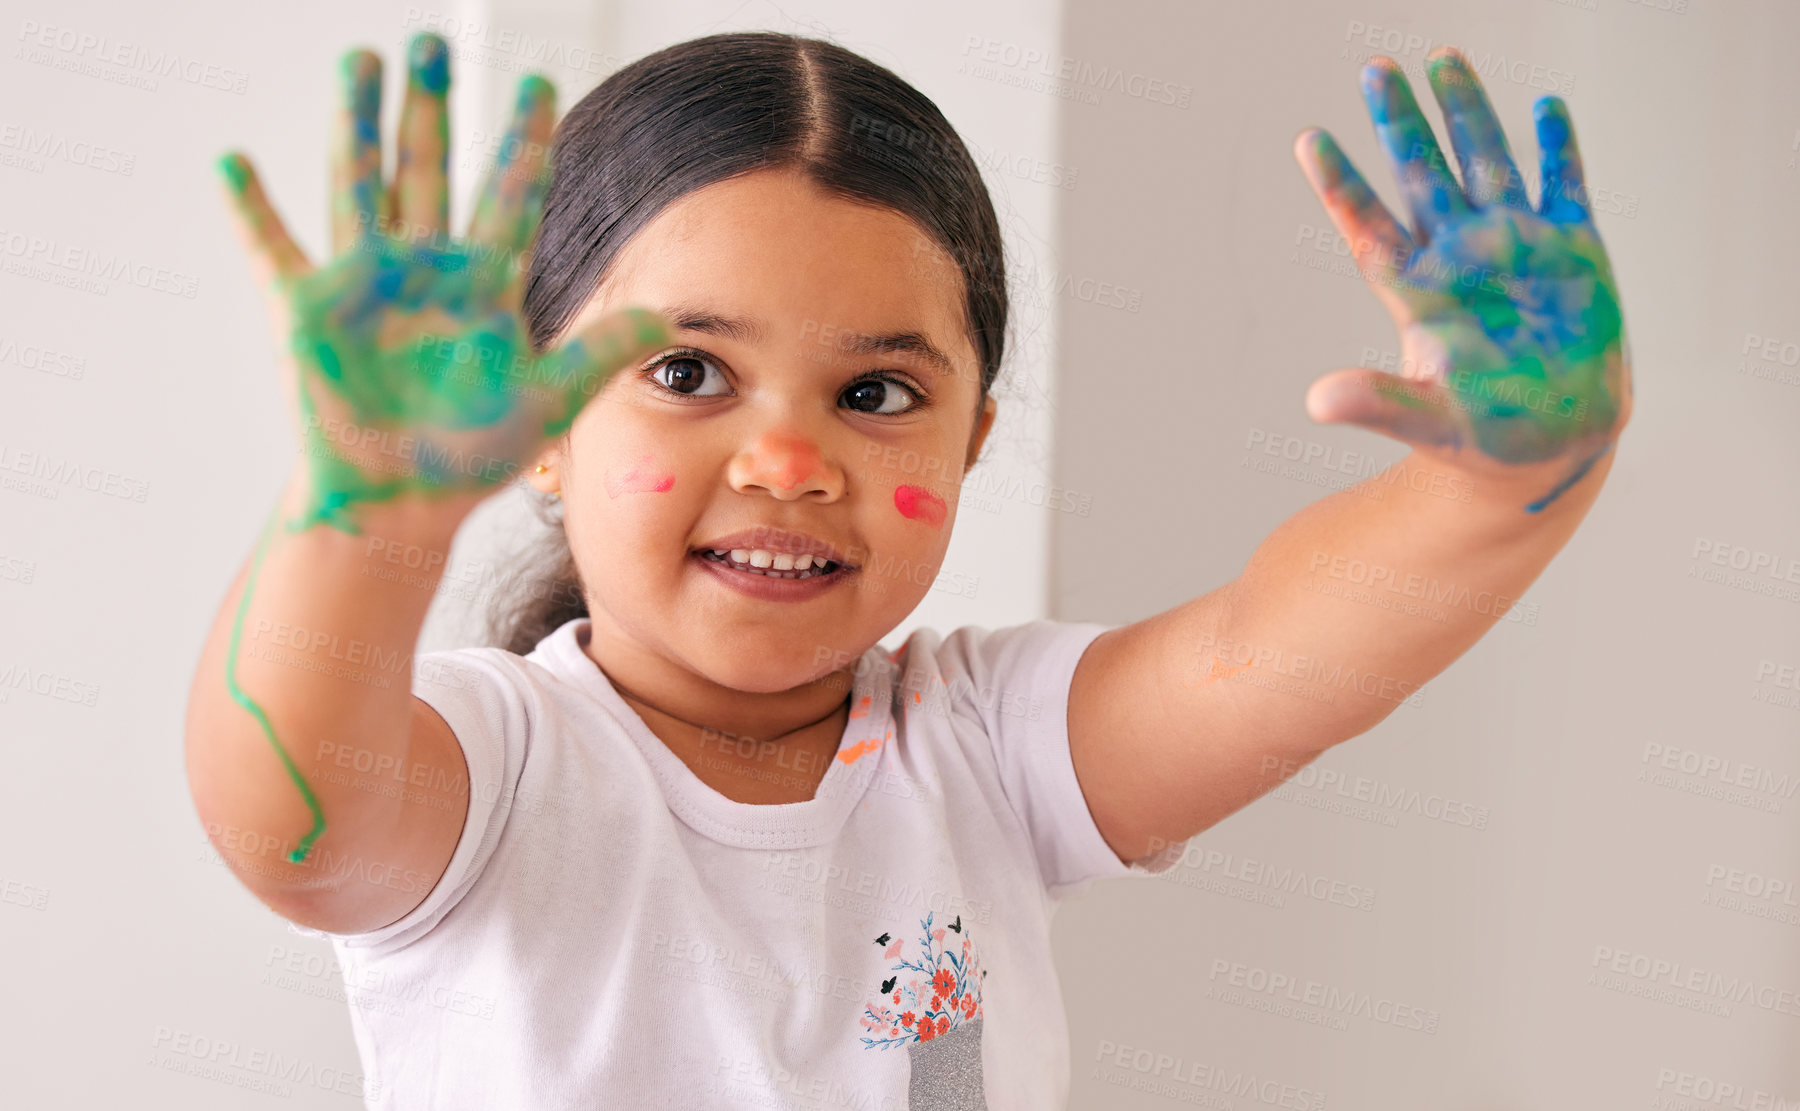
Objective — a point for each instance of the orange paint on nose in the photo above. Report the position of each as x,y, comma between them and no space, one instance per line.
640,479
785,459
916,503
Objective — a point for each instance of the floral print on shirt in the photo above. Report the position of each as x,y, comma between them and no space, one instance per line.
931,993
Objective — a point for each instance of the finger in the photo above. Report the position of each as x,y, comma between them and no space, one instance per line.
1379,245
276,258
1564,197
584,364
1431,192
511,202
1414,411
420,197
1488,172
356,192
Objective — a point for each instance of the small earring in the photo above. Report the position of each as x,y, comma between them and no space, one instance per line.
541,468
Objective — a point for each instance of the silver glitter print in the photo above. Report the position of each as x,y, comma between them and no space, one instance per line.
946,1072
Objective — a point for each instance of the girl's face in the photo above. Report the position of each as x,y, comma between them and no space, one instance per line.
821,400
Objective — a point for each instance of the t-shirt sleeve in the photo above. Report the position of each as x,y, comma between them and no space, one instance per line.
1018,682
482,694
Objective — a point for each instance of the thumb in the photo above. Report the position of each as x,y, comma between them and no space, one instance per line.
1416,411
589,359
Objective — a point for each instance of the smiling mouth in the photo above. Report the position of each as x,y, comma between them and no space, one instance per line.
740,559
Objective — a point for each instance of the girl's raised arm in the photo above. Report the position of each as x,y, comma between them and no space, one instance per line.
416,394
1514,390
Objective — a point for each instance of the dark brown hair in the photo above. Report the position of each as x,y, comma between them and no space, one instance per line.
714,108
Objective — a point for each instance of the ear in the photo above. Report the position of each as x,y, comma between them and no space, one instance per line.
982,424
549,479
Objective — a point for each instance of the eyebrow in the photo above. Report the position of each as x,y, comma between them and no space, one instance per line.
745,330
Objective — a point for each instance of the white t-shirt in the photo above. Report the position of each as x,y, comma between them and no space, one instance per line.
613,932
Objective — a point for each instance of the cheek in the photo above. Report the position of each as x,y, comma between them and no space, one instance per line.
641,476
916,503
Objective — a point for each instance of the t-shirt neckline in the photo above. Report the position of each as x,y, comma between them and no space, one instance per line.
701,806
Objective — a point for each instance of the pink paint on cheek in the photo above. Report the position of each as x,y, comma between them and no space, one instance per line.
916,503
640,479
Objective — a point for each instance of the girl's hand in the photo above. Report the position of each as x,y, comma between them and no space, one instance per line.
412,370
1513,365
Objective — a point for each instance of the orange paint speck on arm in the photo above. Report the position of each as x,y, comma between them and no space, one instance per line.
1215,673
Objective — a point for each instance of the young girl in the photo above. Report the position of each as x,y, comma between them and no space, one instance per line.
690,837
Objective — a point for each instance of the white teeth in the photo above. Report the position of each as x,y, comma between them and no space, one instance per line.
784,564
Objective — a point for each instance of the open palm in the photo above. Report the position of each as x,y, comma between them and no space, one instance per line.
1512,340
411,367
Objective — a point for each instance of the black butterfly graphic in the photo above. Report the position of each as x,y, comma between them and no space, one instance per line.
882,940
957,925
888,985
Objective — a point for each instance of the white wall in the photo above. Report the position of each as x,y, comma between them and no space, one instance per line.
1689,121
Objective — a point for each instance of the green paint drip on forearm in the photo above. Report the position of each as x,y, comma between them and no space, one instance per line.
298,856
414,373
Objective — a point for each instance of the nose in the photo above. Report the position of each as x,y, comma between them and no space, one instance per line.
787,465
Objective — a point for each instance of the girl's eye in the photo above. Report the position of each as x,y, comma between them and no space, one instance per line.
880,395
687,376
